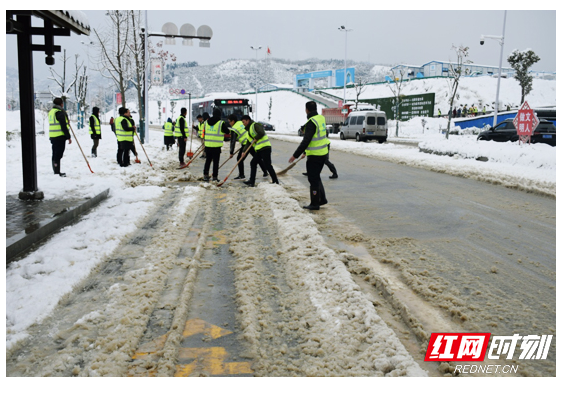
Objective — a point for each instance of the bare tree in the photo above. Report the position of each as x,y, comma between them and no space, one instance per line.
61,80
396,87
359,88
114,59
81,88
457,69
140,64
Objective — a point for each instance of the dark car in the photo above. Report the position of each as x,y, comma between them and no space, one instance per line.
505,131
267,126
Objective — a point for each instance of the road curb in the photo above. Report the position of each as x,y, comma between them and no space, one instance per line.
28,240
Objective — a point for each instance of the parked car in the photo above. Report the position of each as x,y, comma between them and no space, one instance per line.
505,131
365,125
267,126
329,130
545,132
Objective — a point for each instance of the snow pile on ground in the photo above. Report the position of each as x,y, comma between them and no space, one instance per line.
300,311
35,283
527,167
344,314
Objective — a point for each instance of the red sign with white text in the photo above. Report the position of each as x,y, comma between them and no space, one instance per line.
525,121
457,347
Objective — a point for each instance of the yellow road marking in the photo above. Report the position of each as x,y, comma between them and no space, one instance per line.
204,360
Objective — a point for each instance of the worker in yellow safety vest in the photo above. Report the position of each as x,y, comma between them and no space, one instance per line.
213,135
95,130
181,134
169,134
261,150
125,131
314,145
240,135
59,128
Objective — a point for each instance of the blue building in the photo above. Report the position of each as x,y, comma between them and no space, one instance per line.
442,68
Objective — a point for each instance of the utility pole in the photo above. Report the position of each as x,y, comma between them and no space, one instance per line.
343,28
256,82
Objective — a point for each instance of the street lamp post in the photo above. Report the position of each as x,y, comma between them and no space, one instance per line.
501,41
343,28
256,82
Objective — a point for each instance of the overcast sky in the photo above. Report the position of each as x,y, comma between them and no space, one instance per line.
380,37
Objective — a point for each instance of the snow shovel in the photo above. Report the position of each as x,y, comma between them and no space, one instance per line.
236,152
288,168
190,153
72,130
198,152
137,160
239,161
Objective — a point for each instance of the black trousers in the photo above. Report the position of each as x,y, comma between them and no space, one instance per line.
181,148
314,165
96,141
263,156
330,166
241,165
58,147
125,148
212,156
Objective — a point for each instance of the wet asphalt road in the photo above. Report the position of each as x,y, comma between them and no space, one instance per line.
496,245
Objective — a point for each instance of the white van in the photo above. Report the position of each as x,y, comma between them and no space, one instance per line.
365,125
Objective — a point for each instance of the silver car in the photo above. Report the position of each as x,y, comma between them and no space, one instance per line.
365,125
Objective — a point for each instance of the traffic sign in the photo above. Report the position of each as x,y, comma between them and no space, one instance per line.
526,121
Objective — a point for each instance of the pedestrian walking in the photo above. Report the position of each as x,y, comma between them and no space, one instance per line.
112,124
125,131
240,135
454,113
261,151
315,145
95,130
459,112
181,134
59,131
169,134
213,135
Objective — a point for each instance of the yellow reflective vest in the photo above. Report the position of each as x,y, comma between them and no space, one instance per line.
213,135
177,131
260,144
168,129
55,128
241,134
318,146
97,129
121,134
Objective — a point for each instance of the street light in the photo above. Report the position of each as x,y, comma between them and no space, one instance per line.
256,82
343,29
501,41
169,32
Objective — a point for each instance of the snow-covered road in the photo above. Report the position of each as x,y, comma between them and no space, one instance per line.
316,296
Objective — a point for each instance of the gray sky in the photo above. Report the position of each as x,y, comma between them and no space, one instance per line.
381,37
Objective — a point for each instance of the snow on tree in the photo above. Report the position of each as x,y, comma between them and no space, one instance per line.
457,69
521,61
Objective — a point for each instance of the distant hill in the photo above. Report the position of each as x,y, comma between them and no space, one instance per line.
228,76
